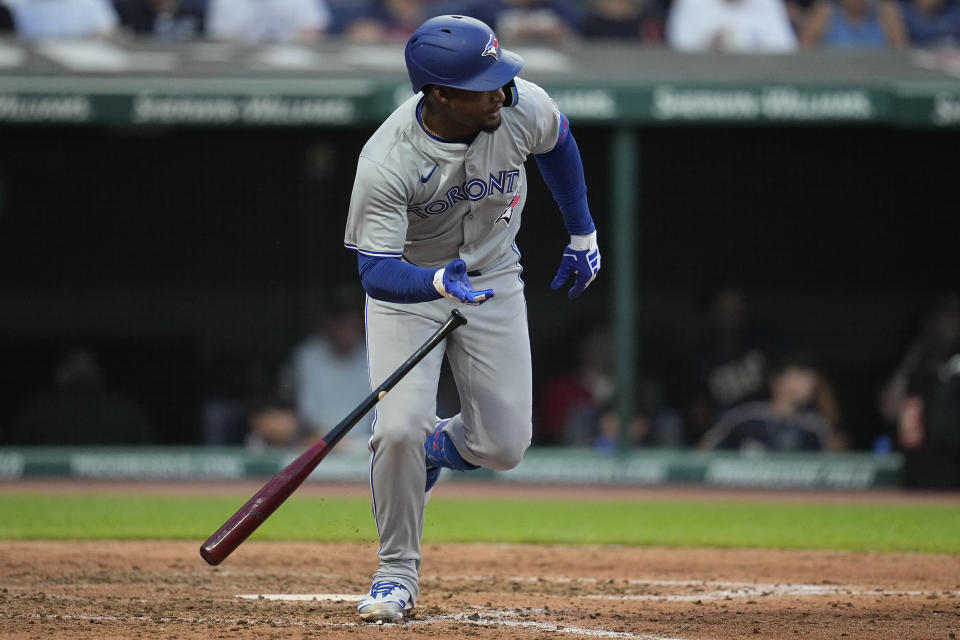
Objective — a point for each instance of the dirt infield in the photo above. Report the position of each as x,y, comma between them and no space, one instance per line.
307,590
163,590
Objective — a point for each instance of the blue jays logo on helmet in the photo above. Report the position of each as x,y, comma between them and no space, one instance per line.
459,52
492,48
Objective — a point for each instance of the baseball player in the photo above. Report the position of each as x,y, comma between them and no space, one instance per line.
436,205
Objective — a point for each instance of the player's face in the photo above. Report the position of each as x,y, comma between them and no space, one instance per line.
475,110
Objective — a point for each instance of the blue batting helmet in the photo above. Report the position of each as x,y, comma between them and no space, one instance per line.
459,52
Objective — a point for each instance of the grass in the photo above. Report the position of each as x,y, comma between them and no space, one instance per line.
857,527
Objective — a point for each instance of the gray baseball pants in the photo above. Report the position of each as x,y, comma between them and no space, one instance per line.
490,360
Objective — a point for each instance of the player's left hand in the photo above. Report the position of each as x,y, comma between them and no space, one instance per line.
581,259
452,282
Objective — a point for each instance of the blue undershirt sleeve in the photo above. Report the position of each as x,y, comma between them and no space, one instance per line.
562,170
393,280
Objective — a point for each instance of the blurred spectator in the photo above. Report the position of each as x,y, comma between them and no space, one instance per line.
272,423
386,20
936,340
577,409
35,19
785,422
79,410
6,20
655,424
727,367
855,24
798,11
932,23
928,420
230,380
162,19
743,26
572,403
267,20
328,371
625,20
548,21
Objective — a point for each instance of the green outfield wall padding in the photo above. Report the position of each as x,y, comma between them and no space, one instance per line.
330,85
540,466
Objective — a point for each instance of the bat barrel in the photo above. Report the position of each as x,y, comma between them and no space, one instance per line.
258,508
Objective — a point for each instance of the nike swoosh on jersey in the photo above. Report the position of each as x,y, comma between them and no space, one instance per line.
425,178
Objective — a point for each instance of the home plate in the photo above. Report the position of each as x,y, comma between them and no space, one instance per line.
303,597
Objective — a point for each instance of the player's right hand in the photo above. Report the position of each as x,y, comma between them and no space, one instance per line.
452,282
581,260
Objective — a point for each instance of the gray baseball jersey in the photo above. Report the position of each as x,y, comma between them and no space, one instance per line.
430,201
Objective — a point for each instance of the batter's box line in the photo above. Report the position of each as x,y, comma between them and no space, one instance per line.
737,591
721,589
545,626
458,617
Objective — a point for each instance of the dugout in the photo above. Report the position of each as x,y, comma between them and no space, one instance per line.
178,207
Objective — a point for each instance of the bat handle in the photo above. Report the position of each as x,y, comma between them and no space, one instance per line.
453,322
456,319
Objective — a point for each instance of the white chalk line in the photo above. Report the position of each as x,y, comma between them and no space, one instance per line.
546,626
720,588
485,621
720,591
199,620
724,584
303,597
707,590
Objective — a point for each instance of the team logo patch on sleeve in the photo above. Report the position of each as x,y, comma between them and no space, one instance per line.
493,48
508,212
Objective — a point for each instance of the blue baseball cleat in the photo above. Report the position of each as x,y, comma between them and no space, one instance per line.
440,453
386,602
430,446
433,474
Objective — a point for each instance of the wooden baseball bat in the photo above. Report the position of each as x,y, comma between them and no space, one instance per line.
251,515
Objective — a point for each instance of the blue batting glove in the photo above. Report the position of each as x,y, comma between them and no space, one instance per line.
581,259
452,282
